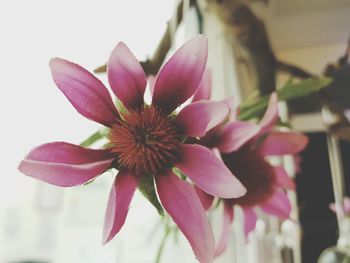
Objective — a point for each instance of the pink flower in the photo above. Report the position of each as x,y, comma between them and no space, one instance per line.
346,206
244,146
147,140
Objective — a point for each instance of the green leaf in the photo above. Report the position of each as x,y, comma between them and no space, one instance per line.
146,187
255,108
95,137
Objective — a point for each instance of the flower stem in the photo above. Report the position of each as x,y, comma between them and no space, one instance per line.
162,244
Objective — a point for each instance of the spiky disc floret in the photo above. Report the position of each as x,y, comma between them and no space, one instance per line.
145,140
255,173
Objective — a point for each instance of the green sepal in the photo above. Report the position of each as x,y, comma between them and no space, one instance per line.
120,107
146,187
178,172
100,134
254,108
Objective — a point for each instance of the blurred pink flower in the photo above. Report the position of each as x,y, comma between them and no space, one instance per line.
346,206
146,140
244,146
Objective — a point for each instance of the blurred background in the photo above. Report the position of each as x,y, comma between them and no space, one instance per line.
254,47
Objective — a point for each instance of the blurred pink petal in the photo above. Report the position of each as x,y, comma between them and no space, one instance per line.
249,220
231,103
206,199
126,76
65,164
283,179
346,206
280,143
122,191
183,205
270,117
204,89
225,232
278,205
85,92
178,80
236,134
208,172
199,117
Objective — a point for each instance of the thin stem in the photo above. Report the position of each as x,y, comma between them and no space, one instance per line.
336,166
162,244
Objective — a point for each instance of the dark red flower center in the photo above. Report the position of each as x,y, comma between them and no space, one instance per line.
145,141
254,172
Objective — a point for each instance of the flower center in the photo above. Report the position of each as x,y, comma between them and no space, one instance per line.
255,173
145,141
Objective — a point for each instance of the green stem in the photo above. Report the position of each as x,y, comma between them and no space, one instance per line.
162,244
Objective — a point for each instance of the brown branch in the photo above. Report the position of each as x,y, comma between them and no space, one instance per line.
293,70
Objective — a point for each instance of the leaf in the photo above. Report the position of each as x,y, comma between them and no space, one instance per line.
146,187
254,109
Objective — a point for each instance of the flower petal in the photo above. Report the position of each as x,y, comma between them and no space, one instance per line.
249,220
208,172
85,92
231,103
65,164
122,191
270,117
204,89
126,76
206,199
178,80
225,233
236,134
183,205
199,117
347,205
280,143
283,179
278,205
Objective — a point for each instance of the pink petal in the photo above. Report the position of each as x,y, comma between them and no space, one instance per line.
122,191
280,143
216,152
225,233
87,94
235,134
183,205
270,117
278,205
283,179
231,103
199,117
206,199
126,76
178,80
347,205
204,89
249,220
65,164
208,172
